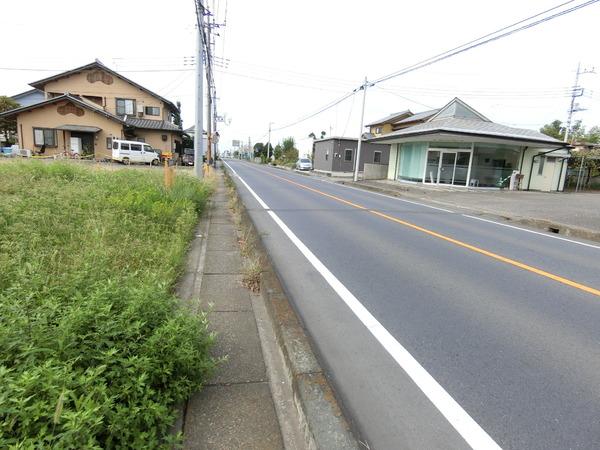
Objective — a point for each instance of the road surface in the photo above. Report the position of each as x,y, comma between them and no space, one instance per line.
438,330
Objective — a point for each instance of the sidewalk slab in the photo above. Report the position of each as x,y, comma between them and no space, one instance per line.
241,416
225,293
222,228
238,340
220,262
222,243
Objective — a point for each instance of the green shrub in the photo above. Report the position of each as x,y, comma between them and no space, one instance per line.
96,350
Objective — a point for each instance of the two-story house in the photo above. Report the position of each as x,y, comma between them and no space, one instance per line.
85,108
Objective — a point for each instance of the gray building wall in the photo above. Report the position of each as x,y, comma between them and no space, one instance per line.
367,154
323,156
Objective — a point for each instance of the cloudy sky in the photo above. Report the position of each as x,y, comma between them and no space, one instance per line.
280,61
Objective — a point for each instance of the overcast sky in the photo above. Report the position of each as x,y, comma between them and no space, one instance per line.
286,59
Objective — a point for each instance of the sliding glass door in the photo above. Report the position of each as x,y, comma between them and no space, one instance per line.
447,167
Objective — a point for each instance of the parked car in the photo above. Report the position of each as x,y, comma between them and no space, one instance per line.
304,164
131,152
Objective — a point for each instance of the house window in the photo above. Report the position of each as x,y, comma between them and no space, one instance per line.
44,136
378,130
377,157
152,110
125,106
541,166
348,154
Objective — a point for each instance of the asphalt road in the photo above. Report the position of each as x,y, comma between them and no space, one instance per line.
505,322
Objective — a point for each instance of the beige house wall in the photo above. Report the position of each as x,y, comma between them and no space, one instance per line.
118,88
154,138
48,117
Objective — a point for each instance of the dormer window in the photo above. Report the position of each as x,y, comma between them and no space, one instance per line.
125,106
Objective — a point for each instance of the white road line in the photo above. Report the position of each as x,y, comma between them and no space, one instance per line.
585,244
462,422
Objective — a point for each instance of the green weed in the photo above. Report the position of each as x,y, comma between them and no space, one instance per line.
96,350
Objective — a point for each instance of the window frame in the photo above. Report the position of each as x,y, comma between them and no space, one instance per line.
541,165
152,108
44,130
132,100
346,150
375,153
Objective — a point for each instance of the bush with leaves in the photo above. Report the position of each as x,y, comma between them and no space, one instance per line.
96,351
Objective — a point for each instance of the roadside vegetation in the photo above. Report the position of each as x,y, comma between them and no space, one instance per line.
96,350
285,153
253,264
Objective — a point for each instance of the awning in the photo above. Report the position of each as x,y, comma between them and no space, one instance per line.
80,128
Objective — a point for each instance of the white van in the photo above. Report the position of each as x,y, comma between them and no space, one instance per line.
130,152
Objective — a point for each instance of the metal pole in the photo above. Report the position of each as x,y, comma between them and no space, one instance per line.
362,118
198,150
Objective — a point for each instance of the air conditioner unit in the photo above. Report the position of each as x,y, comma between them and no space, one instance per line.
140,113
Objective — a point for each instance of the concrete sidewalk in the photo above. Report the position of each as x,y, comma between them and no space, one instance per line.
235,410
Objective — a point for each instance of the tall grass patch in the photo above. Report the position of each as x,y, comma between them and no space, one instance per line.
95,350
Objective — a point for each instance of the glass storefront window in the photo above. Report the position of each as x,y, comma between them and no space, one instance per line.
412,160
493,163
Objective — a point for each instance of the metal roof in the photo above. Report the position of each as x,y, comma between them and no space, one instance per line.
98,65
471,127
390,118
418,116
151,124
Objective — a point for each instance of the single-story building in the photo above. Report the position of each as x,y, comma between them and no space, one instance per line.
458,146
337,156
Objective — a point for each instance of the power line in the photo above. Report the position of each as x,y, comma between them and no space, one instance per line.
490,37
325,108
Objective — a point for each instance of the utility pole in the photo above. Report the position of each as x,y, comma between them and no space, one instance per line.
198,150
209,86
362,119
576,91
269,143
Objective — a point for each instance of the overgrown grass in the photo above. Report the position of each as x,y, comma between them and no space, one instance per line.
95,350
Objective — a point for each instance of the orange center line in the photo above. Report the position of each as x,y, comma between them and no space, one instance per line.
443,237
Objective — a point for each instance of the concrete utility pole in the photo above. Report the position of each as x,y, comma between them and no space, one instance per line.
198,150
576,91
269,143
362,119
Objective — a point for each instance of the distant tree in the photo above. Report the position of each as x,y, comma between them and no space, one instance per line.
554,129
312,136
557,129
8,126
323,134
289,150
260,150
278,152
593,136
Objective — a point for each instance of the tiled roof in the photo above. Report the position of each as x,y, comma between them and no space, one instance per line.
98,65
151,124
67,96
